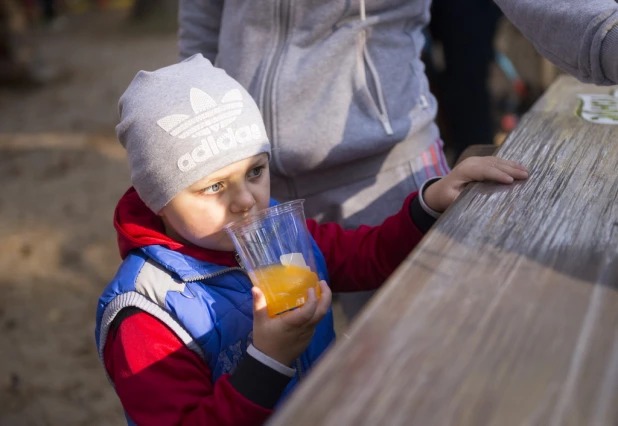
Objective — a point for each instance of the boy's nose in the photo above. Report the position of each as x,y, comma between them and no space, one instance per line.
243,202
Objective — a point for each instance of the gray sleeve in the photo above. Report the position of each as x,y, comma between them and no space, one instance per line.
199,24
579,36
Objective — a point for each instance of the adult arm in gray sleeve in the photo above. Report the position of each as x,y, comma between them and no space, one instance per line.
579,36
199,24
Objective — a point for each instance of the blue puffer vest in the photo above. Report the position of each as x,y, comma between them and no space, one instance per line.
208,306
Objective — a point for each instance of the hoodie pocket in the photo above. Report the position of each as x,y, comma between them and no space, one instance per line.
371,85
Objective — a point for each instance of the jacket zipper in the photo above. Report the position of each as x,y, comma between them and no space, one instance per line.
216,274
283,9
239,261
240,267
299,369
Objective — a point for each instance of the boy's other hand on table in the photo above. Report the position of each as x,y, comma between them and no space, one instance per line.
443,193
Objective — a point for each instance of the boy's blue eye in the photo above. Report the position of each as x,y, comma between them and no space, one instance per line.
255,172
213,189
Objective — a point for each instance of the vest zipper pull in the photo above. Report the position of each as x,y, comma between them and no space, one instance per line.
239,261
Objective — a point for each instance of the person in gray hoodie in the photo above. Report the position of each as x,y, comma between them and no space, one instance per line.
343,92
579,36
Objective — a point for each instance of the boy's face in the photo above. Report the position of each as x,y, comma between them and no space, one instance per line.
198,213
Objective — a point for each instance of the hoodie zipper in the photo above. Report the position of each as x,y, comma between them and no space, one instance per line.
378,97
283,11
380,105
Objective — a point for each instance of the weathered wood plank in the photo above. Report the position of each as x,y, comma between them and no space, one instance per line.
507,313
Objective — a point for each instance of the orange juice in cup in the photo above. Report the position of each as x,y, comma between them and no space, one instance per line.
285,286
275,249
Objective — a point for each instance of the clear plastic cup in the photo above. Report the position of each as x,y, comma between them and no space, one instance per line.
275,248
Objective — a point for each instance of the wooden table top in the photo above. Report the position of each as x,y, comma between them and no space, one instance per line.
507,312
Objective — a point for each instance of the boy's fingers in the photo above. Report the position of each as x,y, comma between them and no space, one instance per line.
304,314
493,173
510,165
519,166
515,172
259,303
323,304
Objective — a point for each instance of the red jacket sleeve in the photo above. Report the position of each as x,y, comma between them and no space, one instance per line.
162,382
364,258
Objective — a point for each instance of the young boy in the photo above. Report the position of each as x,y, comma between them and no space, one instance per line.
183,335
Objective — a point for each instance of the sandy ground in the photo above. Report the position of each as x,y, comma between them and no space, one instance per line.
61,173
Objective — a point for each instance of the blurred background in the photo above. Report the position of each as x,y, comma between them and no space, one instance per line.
63,66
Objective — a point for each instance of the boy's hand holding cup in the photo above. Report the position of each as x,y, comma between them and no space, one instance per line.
286,336
276,250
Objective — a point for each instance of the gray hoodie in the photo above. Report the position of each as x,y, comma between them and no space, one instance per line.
336,80
580,36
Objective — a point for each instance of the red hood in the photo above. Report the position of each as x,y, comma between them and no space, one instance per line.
137,226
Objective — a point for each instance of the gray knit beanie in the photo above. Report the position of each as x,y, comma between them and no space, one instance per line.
183,122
